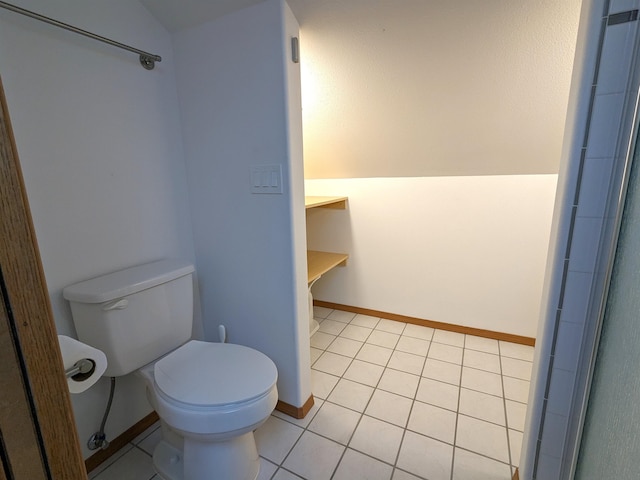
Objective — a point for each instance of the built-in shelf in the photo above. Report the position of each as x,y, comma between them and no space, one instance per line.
319,263
339,203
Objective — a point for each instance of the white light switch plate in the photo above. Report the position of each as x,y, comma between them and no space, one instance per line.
266,179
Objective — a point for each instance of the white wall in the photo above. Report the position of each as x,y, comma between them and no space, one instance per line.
236,112
418,88
463,250
447,119
101,151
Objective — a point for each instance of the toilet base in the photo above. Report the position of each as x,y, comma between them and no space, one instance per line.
233,459
167,460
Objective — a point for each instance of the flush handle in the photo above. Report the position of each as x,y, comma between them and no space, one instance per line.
117,305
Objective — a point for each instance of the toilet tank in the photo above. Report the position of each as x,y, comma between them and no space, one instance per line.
134,315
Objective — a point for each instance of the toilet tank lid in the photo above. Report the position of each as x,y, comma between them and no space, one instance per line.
126,282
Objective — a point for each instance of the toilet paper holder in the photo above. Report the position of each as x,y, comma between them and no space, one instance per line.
81,370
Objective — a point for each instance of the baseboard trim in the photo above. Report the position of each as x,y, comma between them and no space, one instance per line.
507,337
295,412
516,475
120,441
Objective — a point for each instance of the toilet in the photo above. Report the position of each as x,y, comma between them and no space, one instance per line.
210,397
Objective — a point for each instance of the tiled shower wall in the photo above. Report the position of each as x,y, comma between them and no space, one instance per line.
586,227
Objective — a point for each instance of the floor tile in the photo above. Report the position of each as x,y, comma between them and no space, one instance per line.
275,438
425,456
514,350
331,327
314,457
267,469
365,321
282,474
488,345
449,338
321,340
516,413
432,421
418,331
110,461
364,372
315,354
374,354
516,389
321,312
512,367
133,465
482,381
354,332
377,438
442,371
332,363
335,422
446,353
351,395
322,383
389,407
470,466
482,406
345,346
413,345
482,437
356,466
383,339
438,393
406,362
341,316
400,475
390,326
400,383
481,360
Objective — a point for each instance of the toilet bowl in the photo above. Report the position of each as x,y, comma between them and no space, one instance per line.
210,397
214,396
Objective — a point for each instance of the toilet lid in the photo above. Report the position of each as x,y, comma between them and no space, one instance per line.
204,373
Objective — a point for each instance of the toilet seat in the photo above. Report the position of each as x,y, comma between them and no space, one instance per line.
204,374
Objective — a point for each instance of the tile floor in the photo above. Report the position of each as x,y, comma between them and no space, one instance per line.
393,401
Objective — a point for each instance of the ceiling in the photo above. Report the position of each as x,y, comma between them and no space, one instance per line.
179,14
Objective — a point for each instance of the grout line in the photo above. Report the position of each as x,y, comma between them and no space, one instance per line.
506,417
455,428
367,404
375,388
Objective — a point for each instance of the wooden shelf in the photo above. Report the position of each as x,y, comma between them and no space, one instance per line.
339,203
319,263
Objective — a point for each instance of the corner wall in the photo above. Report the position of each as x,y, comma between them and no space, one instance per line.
99,143
237,112
443,123
421,248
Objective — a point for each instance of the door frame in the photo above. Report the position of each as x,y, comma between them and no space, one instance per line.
26,322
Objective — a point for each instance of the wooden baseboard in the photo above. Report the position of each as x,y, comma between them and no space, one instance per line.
507,337
516,475
295,412
120,441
